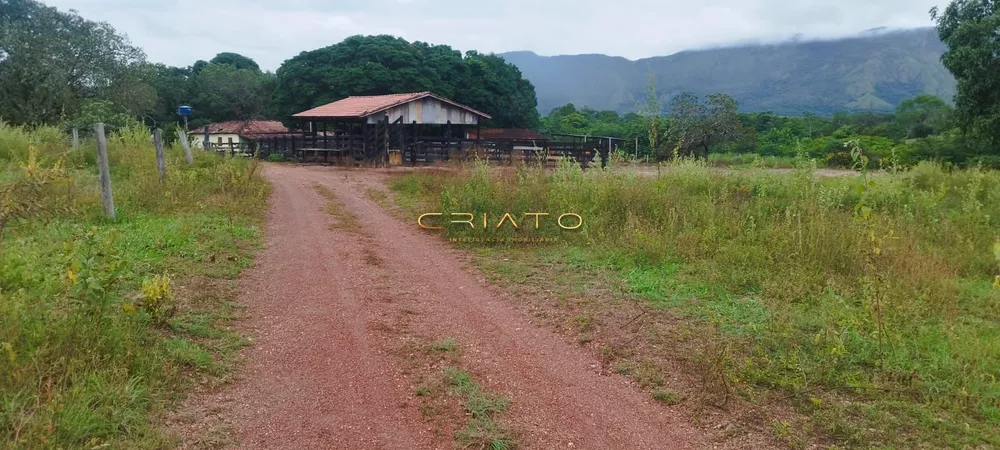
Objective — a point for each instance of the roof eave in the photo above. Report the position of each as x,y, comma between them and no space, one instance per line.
366,114
316,116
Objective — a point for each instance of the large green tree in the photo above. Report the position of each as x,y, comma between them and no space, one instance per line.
225,92
52,61
971,30
173,88
230,87
496,87
376,65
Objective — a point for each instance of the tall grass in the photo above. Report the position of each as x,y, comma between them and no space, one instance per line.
751,160
102,322
868,301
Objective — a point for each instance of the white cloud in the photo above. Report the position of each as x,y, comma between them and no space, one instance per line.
179,32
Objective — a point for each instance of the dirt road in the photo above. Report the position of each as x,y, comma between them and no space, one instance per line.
330,306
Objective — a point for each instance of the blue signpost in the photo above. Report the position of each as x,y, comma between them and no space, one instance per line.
184,111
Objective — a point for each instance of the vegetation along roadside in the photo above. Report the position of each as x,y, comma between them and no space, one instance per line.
104,323
867,303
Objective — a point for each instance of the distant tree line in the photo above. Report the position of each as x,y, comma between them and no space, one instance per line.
923,127
57,67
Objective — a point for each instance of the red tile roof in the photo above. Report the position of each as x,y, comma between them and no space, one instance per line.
363,106
513,134
245,128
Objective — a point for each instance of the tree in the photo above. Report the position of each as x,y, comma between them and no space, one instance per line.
969,29
50,61
498,88
225,92
236,60
174,87
923,116
651,110
377,65
230,87
695,127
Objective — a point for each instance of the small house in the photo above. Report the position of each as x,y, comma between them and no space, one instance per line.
235,134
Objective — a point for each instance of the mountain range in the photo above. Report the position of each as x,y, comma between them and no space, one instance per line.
872,71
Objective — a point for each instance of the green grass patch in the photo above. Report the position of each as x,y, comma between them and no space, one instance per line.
481,430
666,397
448,345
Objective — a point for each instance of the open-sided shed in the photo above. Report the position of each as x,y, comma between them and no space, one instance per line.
420,126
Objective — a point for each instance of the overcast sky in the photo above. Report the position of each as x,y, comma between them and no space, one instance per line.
179,32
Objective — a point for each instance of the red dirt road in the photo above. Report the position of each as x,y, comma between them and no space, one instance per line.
328,307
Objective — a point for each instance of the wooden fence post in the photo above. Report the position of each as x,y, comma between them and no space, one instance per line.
187,146
161,163
105,171
76,138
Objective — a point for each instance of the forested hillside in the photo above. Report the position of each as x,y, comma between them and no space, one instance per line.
871,72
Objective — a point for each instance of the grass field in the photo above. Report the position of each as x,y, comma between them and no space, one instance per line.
868,303
104,323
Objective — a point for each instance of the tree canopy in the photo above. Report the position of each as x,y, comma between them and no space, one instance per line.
923,116
227,92
231,87
51,62
235,60
377,65
970,28
59,67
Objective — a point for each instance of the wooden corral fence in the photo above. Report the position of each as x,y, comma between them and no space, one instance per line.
373,145
421,150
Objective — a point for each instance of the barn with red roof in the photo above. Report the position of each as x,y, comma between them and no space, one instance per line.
409,128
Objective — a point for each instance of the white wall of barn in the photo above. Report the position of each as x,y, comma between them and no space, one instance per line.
215,138
427,111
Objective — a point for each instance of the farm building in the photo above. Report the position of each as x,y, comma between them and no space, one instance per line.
412,128
235,134
387,128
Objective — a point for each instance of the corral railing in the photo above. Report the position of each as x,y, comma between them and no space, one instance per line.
374,147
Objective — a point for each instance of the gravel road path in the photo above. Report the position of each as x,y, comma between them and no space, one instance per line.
328,305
